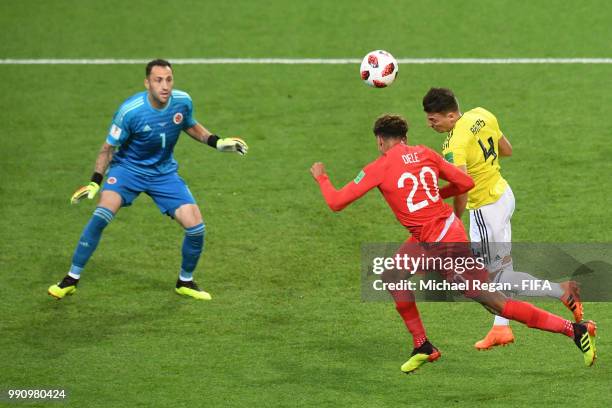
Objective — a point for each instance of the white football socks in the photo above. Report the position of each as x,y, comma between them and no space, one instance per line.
524,284
501,321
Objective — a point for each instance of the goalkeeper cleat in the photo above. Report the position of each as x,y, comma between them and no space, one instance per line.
427,353
64,288
498,336
584,337
190,288
571,299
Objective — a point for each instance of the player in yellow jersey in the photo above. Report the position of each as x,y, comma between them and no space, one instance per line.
475,144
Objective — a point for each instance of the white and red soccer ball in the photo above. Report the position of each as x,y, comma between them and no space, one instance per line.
379,69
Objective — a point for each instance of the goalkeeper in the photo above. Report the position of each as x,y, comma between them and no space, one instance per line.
139,149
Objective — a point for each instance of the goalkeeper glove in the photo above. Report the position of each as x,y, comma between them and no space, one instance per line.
229,144
89,190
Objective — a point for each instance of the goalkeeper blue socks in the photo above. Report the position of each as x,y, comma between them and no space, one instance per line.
192,248
89,239
193,244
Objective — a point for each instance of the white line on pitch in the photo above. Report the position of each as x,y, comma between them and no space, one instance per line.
302,61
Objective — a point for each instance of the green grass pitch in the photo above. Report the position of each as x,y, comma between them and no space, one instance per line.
286,326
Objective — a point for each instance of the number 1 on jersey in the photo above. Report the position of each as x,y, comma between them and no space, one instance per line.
163,138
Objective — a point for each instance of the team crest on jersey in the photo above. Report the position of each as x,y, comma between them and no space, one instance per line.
111,180
178,118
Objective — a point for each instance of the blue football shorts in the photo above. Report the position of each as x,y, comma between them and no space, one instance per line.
168,191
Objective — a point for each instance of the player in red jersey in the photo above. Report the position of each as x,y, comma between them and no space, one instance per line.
407,176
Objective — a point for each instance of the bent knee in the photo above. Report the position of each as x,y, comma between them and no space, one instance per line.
188,215
111,200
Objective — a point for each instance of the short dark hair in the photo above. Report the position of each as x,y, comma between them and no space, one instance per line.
391,127
440,100
156,63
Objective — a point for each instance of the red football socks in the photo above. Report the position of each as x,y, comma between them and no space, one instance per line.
412,320
407,308
534,317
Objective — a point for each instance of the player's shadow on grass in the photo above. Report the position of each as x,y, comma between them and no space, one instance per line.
113,302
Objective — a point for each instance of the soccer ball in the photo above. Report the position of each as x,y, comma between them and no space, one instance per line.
379,69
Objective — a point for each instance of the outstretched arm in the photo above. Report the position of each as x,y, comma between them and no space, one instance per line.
337,200
199,133
230,144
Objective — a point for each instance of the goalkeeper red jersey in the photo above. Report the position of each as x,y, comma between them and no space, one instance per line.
407,177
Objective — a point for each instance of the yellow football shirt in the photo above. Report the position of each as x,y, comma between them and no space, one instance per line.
474,142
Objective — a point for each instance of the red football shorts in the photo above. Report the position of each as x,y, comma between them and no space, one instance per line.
445,248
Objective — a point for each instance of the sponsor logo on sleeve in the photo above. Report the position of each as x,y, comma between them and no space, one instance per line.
178,118
115,131
449,157
359,177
